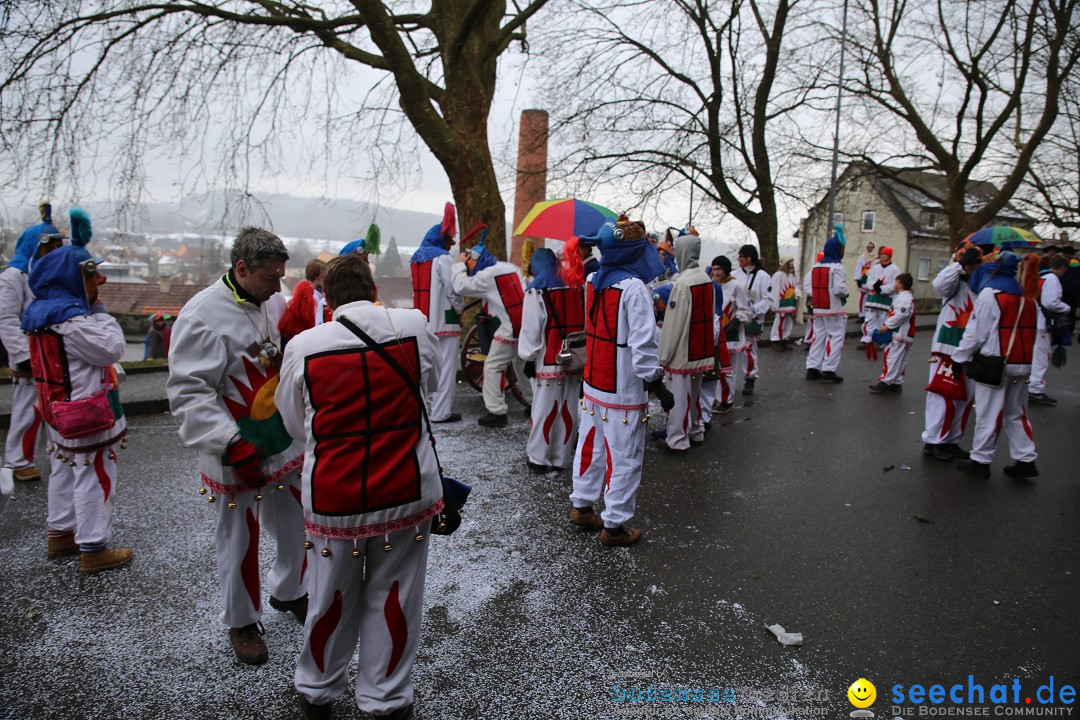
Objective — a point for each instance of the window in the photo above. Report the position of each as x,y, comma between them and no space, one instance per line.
869,220
931,219
924,269
942,264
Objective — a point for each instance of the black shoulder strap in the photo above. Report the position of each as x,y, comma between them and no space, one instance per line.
412,383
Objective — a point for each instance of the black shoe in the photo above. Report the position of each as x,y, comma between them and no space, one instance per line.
297,607
831,377
311,711
404,713
860,346
492,420
748,387
659,434
813,374
880,388
452,417
1021,469
696,442
957,452
1041,399
672,451
708,426
938,452
725,408
538,468
974,468
896,388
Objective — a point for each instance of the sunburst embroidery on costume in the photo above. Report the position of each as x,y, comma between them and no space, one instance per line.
255,412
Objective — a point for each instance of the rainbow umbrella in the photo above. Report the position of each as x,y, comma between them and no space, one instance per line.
563,219
1003,237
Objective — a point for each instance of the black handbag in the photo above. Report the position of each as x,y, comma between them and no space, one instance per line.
990,369
455,492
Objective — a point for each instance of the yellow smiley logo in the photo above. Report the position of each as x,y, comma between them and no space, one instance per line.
862,693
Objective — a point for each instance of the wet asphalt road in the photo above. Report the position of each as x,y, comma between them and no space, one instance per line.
787,515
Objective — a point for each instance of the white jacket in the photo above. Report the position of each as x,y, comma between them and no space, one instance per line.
622,353
369,467
687,339
785,292
736,312
887,275
443,305
985,332
957,304
486,285
758,291
829,296
541,337
1049,297
901,317
15,295
215,382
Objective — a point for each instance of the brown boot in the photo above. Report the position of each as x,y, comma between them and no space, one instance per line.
617,537
26,474
62,545
95,562
586,518
248,644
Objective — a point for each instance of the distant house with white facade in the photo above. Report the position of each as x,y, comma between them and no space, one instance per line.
887,212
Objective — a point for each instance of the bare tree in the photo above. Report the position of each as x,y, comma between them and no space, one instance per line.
685,94
121,77
967,89
1051,191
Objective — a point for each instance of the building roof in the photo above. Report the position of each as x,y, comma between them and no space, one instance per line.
145,299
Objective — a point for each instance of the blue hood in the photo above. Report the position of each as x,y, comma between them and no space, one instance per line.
545,270
431,246
834,251
1000,275
59,291
28,242
621,258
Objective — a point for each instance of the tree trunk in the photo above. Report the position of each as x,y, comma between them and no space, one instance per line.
766,231
476,193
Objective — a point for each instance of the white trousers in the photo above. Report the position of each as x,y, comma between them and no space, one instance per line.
726,383
608,460
378,599
237,544
684,422
22,434
946,420
555,410
827,343
82,493
874,319
708,397
895,362
781,327
1040,361
449,355
750,357
499,357
1003,408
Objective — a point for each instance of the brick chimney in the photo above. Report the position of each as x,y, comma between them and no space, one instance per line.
531,173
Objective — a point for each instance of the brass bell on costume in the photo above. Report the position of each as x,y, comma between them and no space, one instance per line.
625,421
326,552
308,544
419,537
202,491
356,553
211,499
258,498
86,463
387,547
280,488
231,505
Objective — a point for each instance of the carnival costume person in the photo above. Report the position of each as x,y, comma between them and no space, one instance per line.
554,307
307,306
862,270
223,369
828,292
480,274
735,314
1003,324
950,395
687,344
785,301
621,366
1050,305
753,278
881,281
15,296
710,381
433,295
73,345
371,487
899,335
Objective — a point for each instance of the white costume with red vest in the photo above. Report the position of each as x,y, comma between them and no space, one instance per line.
621,359
990,332
73,361
827,288
370,489
500,287
946,418
25,425
758,297
547,317
877,304
433,295
901,320
785,301
218,390
1050,301
736,313
687,351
